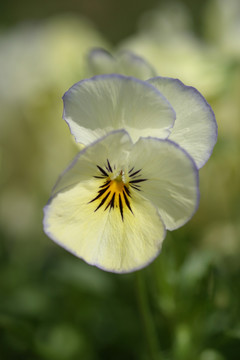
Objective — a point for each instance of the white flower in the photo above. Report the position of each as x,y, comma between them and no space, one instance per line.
112,206
138,174
160,107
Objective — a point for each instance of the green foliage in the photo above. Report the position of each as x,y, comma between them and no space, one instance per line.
53,305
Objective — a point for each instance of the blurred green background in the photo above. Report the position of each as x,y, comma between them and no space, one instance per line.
185,305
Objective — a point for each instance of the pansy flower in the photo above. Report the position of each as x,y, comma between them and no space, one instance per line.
112,206
138,173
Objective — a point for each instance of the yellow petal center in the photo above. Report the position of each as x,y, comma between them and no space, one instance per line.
115,191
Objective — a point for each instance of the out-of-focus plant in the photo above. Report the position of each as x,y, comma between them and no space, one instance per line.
49,297
167,41
38,61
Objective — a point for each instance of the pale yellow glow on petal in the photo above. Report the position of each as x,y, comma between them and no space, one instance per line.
102,237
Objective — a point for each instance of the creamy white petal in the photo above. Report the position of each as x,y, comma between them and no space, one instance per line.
195,128
95,106
100,237
108,238
101,61
171,179
131,64
125,62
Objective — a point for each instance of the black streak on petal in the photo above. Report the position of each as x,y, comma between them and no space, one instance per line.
111,203
127,191
137,181
135,173
127,202
102,171
100,193
109,166
134,187
103,201
120,206
105,184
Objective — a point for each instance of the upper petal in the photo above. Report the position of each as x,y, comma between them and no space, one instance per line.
126,63
195,128
131,64
95,106
101,61
171,179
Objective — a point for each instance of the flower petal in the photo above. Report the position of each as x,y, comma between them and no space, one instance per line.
126,63
102,237
101,61
131,64
172,179
195,128
96,106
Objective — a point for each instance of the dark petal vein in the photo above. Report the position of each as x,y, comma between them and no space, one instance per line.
134,187
103,201
137,181
111,203
127,190
102,171
105,184
135,173
127,202
109,166
100,193
120,206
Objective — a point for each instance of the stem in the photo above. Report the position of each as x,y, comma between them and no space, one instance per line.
146,317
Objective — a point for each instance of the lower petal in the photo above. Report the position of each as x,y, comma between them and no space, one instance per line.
102,237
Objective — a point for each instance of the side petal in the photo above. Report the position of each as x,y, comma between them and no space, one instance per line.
96,106
195,128
171,179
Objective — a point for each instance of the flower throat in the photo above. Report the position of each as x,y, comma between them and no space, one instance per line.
115,192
